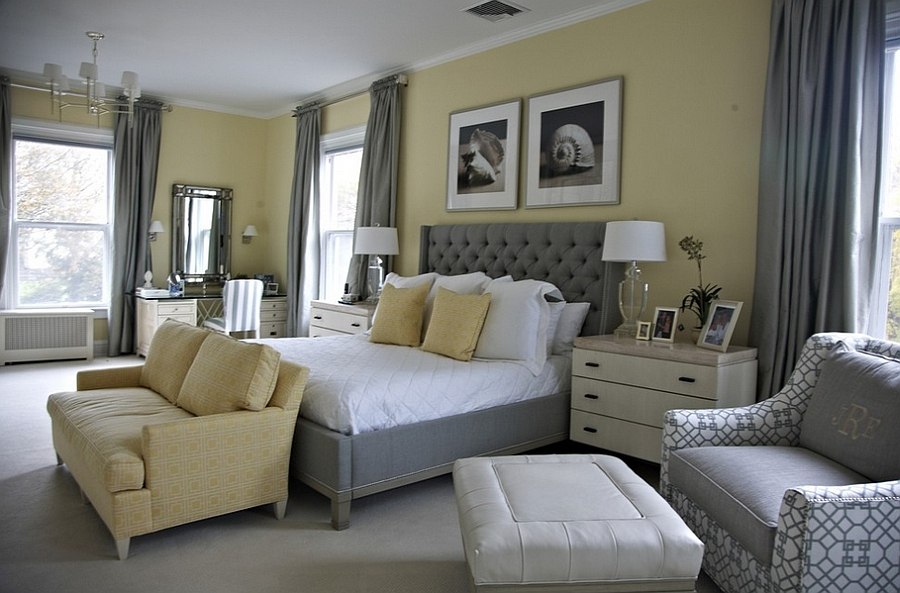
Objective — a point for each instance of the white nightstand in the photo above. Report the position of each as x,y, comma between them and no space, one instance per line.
334,319
621,388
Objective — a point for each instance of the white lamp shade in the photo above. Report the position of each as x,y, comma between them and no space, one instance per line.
129,79
88,70
157,227
634,240
53,71
250,231
376,240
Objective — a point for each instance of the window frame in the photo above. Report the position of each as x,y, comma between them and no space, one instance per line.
62,134
349,139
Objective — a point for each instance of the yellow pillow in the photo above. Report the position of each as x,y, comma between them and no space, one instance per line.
172,350
229,375
456,322
398,318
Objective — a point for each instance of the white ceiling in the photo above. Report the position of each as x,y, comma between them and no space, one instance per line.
261,58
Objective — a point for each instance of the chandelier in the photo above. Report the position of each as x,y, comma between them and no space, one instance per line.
94,94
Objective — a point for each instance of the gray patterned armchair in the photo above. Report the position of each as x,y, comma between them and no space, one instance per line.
799,492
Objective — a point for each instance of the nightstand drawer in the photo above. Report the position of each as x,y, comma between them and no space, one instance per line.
273,305
320,332
634,404
189,319
269,315
630,438
341,322
272,329
664,375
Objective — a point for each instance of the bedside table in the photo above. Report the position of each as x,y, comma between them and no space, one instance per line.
621,388
335,319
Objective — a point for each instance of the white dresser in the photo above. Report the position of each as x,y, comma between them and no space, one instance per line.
273,317
621,388
334,319
150,314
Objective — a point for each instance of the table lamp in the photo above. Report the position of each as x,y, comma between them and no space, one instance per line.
375,241
632,241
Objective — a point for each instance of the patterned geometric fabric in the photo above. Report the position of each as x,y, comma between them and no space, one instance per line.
843,538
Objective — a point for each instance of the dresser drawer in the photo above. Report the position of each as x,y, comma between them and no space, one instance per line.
664,375
275,329
340,322
634,404
630,438
189,319
273,305
170,309
269,315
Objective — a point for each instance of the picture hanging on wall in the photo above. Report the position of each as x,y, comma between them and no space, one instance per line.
482,172
574,146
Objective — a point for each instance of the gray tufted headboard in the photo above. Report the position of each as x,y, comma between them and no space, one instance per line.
567,254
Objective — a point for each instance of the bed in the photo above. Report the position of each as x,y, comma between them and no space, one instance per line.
345,464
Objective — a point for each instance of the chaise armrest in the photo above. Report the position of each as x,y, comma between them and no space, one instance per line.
129,376
832,536
218,463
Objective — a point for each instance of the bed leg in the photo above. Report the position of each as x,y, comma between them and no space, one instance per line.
340,514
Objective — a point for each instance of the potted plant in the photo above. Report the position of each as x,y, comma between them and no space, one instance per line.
699,299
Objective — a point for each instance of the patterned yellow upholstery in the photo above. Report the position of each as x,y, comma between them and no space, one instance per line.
146,464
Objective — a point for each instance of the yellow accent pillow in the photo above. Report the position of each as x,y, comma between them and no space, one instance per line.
172,350
398,318
456,323
229,375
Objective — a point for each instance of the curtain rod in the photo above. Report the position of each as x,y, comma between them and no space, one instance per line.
400,79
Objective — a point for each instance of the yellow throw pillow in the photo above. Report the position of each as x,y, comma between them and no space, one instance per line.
172,350
229,375
398,318
456,323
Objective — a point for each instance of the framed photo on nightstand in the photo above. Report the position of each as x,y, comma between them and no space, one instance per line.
665,320
723,316
643,330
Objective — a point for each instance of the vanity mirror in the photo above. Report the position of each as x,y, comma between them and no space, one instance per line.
201,233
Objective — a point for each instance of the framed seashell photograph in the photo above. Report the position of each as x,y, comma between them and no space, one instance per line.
483,158
574,146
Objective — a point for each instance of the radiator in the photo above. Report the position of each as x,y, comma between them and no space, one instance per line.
55,334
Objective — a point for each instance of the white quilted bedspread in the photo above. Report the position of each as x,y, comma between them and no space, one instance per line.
356,386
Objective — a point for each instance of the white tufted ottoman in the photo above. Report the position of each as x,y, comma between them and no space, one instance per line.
569,523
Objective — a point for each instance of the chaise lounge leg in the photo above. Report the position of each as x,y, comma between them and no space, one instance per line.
84,497
280,508
59,460
122,547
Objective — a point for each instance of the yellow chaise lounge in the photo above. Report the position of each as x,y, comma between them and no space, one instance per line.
204,427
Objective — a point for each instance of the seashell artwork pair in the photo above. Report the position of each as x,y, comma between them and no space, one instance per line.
482,162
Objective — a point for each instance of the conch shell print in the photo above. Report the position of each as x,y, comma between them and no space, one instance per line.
571,150
482,162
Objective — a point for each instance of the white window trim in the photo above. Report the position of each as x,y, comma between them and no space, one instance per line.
37,129
328,143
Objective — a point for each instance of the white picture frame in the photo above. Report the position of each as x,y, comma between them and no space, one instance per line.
716,332
665,323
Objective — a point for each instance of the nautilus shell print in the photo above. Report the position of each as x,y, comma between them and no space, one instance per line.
482,162
571,150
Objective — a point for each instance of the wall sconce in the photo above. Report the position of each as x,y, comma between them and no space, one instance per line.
249,233
156,227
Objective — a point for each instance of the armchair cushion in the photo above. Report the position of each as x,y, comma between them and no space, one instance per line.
172,350
741,488
229,375
853,413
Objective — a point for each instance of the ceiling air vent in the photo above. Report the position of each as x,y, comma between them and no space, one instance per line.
494,10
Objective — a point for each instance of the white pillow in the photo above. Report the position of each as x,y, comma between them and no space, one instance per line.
569,326
516,324
555,312
410,281
472,283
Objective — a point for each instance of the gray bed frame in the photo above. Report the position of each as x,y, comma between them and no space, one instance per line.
346,467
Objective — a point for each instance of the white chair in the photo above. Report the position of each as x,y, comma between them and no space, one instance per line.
241,300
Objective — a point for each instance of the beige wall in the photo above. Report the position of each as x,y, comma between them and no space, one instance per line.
694,74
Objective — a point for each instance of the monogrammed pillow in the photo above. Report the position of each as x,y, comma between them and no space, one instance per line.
854,413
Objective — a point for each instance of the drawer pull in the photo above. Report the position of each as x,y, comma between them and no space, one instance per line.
591,396
317,317
354,325
687,379
590,430
595,365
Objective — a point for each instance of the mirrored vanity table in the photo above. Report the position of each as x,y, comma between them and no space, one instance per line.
201,257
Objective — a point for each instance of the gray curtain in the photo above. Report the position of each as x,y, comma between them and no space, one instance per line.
136,148
5,173
819,177
377,194
303,222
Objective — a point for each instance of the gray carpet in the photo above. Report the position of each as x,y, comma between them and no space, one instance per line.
406,540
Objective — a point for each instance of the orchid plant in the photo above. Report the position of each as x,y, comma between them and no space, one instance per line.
699,299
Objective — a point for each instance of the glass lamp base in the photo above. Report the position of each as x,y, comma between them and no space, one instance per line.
626,330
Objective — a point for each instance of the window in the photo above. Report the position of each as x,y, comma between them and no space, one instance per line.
61,212
339,179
